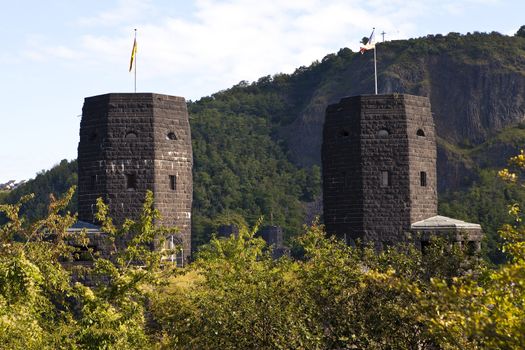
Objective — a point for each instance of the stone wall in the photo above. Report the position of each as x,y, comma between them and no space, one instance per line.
131,143
422,157
373,162
342,171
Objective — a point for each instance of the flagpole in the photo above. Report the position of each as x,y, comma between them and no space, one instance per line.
136,64
375,67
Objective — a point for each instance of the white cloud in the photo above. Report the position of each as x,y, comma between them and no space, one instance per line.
223,42
454,8
189,48
8,58
125,12
39,48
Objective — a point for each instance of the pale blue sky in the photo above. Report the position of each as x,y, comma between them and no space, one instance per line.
56,52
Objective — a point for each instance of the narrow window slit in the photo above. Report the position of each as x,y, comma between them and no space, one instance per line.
173,182
423,178
131,181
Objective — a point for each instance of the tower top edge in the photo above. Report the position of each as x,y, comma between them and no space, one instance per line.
130,96
382,98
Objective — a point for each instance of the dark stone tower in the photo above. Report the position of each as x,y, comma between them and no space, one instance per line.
131,143
379,166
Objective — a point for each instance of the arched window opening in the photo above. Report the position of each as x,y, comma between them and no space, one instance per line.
131,135
171,136
420,132
383,133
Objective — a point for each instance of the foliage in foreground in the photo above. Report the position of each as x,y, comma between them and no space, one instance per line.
485,202
234,296
339,297
41,307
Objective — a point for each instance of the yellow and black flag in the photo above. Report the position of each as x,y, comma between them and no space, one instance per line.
133,53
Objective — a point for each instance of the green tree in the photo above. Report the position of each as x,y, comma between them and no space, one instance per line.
484,308
238,298
335,297
55,181
33,284
41,307
235,296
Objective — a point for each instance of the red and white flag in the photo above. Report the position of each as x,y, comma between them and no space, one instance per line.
369,45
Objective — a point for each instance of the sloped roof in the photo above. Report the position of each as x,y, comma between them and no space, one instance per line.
80,225
442,222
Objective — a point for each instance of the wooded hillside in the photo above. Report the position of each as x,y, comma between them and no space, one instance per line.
257,145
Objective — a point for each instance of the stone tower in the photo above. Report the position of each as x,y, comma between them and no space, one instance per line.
131,143
379,167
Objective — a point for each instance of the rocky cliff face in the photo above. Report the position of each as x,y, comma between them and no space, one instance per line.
471,100
476,84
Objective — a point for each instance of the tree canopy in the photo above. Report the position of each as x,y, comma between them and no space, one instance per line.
234,295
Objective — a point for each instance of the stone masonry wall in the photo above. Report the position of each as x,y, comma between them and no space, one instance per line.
342,175
384,147
372,162
422,157
131,143
173,157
